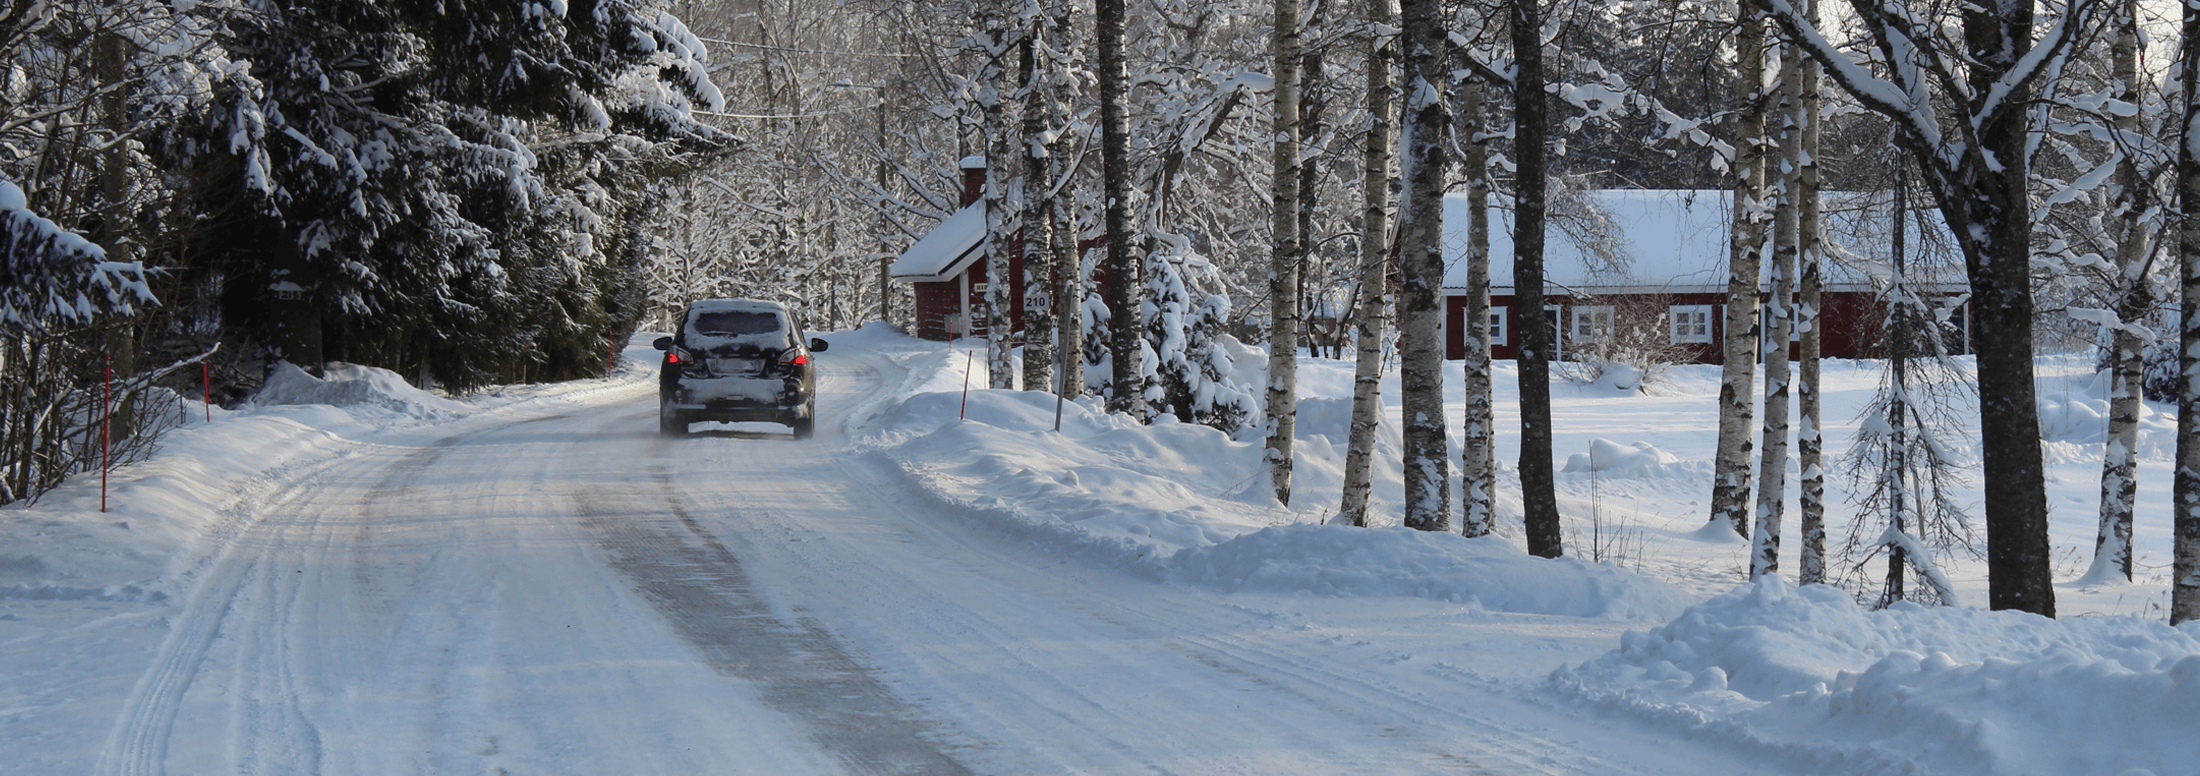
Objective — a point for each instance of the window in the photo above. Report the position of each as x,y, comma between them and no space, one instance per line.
1497,327
1591,323
1691,323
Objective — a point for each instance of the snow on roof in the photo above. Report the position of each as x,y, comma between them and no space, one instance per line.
1672,241
946,251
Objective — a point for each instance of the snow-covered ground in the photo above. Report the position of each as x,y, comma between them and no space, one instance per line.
352,576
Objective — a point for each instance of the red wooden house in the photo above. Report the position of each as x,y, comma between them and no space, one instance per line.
946,268
1660,270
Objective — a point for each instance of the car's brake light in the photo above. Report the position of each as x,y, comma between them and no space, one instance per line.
671,357
798,359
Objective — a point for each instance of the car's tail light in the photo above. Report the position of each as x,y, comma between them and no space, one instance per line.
671,357
795,359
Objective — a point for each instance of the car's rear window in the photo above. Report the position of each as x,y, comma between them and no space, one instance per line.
733,323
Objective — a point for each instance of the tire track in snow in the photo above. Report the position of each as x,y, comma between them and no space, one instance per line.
699,586
243,579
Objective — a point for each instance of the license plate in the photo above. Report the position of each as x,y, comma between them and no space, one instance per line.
737,367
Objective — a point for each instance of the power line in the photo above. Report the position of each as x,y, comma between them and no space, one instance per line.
789,115
724,42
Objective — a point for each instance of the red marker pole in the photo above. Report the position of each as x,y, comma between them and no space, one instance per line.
968,355
106,429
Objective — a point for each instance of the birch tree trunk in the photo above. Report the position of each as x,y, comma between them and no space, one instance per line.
1531,122
1069,276
1376,184
1038,233
1738,373
1000,236
2184,593
1779,320
1478,430
1283,268
2126,352
1421,265
1128,395
1810,437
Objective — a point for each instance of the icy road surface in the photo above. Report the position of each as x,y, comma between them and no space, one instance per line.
571,594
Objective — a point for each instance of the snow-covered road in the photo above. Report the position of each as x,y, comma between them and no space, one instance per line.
570,593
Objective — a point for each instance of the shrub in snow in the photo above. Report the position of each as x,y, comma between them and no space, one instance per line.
1194,374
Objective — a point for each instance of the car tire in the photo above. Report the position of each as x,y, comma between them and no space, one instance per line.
803,428
671,424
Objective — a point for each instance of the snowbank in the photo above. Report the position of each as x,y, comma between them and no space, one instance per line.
1189,504
1608,459
1942,690
1488,571
354,387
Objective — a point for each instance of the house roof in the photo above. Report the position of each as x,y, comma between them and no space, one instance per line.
1675,241
946,251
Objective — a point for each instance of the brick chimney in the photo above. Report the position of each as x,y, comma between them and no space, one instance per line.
973,168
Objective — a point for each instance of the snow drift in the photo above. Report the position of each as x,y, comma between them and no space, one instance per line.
1912,689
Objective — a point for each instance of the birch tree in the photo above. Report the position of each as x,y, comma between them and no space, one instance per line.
1810,436
1372,322
1037,239
2184,594
1738,370
1115,173
1783,174
2134,301
1001,162
1283,269
1478,426
1420,251
1985,69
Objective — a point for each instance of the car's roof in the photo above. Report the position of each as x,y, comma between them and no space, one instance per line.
720,305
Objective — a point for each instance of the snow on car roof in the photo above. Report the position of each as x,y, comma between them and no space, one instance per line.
947,250
716,305
1675,241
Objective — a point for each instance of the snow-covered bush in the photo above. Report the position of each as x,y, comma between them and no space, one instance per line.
1194,376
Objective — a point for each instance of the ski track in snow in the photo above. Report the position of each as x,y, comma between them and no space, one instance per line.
569,593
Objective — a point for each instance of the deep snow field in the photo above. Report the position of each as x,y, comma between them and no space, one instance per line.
1670,633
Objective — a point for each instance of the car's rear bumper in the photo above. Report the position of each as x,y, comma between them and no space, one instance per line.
734,399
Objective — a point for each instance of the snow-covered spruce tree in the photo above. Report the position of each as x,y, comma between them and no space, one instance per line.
1372,324
402,164
1193,377
1959,89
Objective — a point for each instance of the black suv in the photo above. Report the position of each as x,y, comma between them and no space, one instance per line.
737,360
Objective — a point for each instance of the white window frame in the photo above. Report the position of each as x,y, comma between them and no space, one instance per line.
1678,327
1500,332
1591,315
